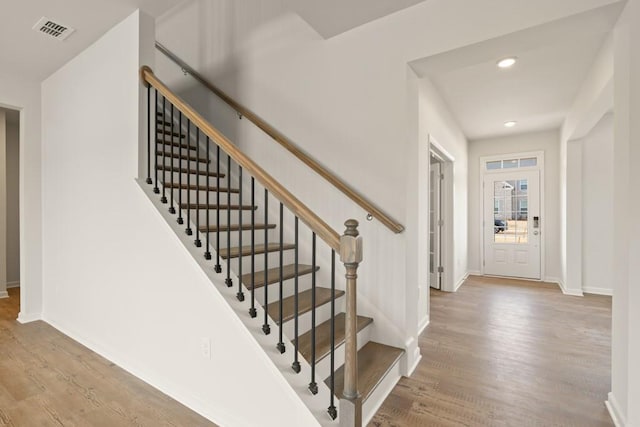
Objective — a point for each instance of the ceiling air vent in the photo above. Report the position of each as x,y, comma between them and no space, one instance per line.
53,29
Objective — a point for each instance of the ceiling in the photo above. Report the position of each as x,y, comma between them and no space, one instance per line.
36,56
553,60
333,17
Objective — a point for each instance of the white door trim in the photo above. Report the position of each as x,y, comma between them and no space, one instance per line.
447,214
543,213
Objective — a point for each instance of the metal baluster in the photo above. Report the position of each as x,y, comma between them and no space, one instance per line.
240,294
172,209
218,267
197,242
296,363
156,189
265,327
163,199
313,386
149,181
207,253
228,280
252,311
180,220
188,229
333,412
281,347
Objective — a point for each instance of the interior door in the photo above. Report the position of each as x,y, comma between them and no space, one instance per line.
512,224
435,223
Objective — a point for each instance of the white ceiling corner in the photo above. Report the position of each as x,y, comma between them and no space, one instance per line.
332,17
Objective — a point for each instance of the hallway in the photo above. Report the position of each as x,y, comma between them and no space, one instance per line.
504,352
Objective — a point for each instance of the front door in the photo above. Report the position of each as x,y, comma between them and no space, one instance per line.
512,224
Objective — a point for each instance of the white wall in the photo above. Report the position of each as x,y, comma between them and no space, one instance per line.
593,100
438,124
3,205
597,208
13,203
24,95
117,278
548,142
434,123
624,400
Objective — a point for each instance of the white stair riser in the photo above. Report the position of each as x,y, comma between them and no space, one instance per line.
323,367
304,321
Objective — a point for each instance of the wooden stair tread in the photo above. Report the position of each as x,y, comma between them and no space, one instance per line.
177,144
183,157
323,296
323,336
234,227
375,360
163,122
189,171
272,275
184,186
204,206
258,249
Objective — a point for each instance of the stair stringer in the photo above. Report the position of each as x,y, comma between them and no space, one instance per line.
316,404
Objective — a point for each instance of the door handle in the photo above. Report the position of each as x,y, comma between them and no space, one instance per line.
536,232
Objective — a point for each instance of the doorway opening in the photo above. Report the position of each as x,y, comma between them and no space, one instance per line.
440,218
436,221
9,200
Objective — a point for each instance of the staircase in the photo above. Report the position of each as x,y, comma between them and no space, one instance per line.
270,248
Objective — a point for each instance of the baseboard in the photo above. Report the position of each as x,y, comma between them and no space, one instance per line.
28,317
474,273
155,381
413,368
614,411
423,325
4,294
12,285
572,292
550,279
460,282
563,288
412,356
597,291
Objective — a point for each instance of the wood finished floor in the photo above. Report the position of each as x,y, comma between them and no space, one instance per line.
505,352
47,379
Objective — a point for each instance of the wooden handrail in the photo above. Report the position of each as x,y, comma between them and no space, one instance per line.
306,215
347,190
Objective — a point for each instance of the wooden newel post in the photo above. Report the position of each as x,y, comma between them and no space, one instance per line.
351,256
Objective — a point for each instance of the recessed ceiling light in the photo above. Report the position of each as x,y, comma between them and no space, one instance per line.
510,124
507,62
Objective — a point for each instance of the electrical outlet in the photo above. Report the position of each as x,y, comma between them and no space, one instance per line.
205,348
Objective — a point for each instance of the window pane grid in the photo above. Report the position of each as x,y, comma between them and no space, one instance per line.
510,212
512,164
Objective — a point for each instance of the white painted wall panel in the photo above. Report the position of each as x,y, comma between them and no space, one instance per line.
3,204
116,277
597,201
